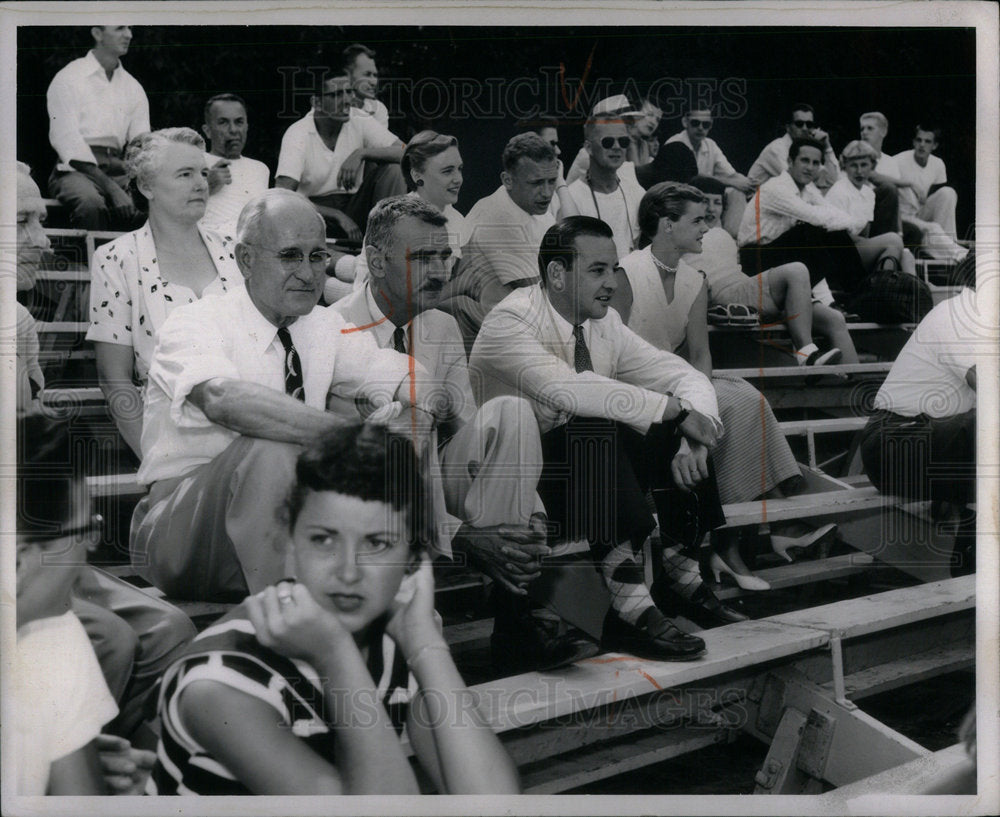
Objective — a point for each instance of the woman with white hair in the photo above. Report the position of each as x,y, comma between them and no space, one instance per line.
137,279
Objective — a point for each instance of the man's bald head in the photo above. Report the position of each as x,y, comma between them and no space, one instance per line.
274,204
282,254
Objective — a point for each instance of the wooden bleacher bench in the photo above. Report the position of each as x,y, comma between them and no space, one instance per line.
62,327
547,720
114,485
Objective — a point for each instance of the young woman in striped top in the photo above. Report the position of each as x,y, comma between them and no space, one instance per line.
305,687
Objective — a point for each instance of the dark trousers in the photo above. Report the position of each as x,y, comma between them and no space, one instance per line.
93,205
922,458
827,254
381,180
886,217
595,476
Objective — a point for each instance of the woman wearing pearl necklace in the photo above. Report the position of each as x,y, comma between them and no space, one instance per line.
665,301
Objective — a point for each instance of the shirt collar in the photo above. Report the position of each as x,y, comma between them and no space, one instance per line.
383,328
563,327
260,331
93,66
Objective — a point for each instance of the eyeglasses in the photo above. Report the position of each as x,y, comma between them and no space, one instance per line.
291,259
704,124
90,530
608,142
801,123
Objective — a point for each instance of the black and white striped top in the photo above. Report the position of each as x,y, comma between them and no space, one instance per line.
228,652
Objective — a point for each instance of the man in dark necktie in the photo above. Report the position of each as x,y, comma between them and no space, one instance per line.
237,386
489,453
618,418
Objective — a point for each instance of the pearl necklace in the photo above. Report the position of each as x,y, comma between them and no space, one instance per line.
661,265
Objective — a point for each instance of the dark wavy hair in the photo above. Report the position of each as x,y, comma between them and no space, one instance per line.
559,241
371,463
666,199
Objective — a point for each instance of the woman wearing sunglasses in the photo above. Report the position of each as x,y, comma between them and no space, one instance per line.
304,688
140,277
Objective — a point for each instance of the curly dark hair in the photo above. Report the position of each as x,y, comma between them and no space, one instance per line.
371,463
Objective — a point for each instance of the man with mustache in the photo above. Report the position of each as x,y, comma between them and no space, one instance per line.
237,385
490,455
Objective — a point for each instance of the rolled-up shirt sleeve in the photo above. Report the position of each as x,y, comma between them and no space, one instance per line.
188,352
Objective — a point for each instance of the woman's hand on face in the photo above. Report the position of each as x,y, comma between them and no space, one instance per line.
411,623
288,620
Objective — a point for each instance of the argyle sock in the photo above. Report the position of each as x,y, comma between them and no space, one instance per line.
623,575
682,573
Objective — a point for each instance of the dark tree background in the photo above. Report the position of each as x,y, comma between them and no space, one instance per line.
475,82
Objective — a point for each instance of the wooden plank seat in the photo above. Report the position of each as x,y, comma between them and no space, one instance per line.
61,327
547,720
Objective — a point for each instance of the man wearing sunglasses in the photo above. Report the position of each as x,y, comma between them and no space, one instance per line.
237,385
602,193
773,159
711,160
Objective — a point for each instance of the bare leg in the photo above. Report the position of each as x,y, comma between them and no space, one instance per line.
873,250
831,324
790,289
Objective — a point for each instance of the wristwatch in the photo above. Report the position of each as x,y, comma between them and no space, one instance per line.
683,413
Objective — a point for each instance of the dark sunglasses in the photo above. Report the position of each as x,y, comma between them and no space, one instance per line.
799,123
90,529
704,124
608,142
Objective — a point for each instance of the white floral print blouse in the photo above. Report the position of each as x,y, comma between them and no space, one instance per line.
129,300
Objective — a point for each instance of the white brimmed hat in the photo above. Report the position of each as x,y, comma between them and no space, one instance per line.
617,105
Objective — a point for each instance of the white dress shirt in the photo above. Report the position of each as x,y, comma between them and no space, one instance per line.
250,179
86,108
227,337
525,348
305,157
858,203
709,157
773,161
782,205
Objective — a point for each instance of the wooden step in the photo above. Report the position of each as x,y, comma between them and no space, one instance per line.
62,327
795,372
882,611
804,506
805,572
115,485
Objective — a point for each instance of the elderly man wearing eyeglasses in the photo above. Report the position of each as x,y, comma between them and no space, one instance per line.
238,385
773,159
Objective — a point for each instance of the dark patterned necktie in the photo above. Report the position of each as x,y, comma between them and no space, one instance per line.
293,366
580,351
399,339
